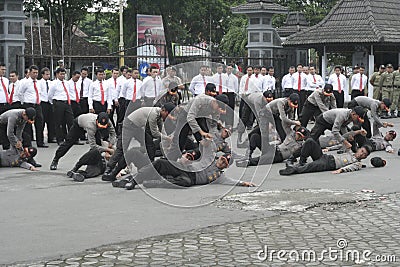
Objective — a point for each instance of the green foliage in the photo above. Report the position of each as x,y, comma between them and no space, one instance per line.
235,40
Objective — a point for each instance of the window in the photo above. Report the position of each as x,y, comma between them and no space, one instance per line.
15,28
254,57
1,7
254,20
267,37
254,37
1,27
14,7
14,55
1,53
266,21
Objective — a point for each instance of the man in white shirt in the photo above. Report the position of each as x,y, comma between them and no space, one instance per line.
219,79
4,95
13,90
29,95
60,95
232,87
259,78
199,82
115,90
131,91
151,87
263,71
314,81
99,97
47,107
299,86
359,83
73,86
120,83
84,84
287,82
270,81
339,83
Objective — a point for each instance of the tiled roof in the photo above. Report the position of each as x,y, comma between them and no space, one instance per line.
259,5
295,22
80,46
354,21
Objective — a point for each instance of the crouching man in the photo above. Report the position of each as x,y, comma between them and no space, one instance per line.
346,162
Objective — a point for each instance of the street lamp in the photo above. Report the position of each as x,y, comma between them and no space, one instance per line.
121,33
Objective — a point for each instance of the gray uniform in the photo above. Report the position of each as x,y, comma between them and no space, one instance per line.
277,107
150,118
372,105
339,118
347,162
325,103
289,146
14,121
11,158
200,107
257,102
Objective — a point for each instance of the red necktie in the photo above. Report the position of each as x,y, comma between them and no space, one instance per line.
246,86
102,93
205,84
256,75
66,92
37,92
134,91
361,82
115,83
220,84
5,90
299,82
76,94
339,86
314,78
12,94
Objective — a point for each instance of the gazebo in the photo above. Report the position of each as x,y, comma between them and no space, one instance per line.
370,30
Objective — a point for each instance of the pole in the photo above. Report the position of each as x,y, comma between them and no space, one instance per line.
30,17
51,48
40,36
62,33
324,58
121,34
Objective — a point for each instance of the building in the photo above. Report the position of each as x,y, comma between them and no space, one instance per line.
12,34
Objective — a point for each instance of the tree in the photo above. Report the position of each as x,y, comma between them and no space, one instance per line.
65,14
235,40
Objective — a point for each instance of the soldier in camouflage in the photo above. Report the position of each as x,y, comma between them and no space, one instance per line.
386,86
374,81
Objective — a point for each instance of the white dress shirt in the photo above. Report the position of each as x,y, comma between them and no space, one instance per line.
14,86
86,84
27,92
198,84
128,89
252,85
74,88
259,81
3,90
356,79
114,88
269,83
217,78
44,90
334,80
59,90
287,81
95,93
120,83
232,83
151,87
303,78
314,81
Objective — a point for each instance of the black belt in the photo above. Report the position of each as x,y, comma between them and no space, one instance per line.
4,104
62,101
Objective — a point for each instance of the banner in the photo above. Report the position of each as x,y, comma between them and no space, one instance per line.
151,40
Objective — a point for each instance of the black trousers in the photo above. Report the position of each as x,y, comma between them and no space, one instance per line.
48,119
18,105
142,135
63,117
76,108
366,125
121,110
73,135
246,116
355,93
149,101
319,128
309,111
84,105
98,107
339,99
38,126
164,168
95,163
303,98
228,118
3,128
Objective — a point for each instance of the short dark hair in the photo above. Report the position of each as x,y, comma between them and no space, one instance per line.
153,68
368,148
76,72
270,68
203,66
338,67
115,69
43,70
33,67
299,65
231,65
58,70
26,71
129,70
257,67
122,68
249,66
99,70
84,69
14,71
2,64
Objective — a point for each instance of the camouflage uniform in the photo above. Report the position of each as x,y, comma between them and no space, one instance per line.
396,90
386,85
375,78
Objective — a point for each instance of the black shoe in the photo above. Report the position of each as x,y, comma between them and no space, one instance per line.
79,143
120,183
70,174
53,165
131,184
108,178
288,171
43,145
393,116
108,170
34,163
78,177
52,141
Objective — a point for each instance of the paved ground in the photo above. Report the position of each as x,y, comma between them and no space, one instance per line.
45,216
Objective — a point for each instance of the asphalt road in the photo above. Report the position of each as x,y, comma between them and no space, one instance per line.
44,214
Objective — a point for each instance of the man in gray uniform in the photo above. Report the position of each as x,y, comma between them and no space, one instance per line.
336,120
15,158
12,123
374,106
378,142
98,128
319,101
339,163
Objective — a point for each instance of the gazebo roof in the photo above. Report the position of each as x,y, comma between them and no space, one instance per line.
295,22
257,6
354,22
